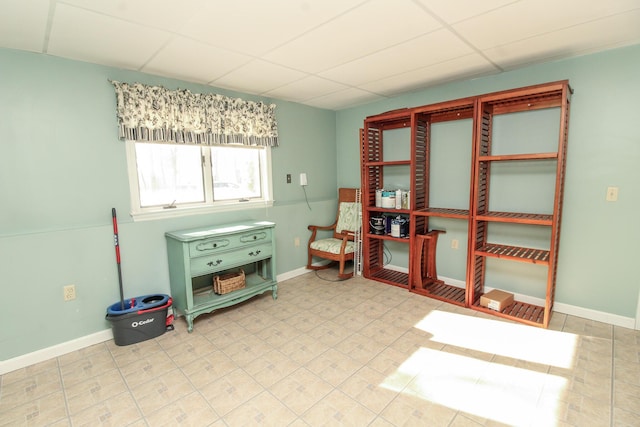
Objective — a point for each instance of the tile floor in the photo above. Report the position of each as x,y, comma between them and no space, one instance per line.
356,353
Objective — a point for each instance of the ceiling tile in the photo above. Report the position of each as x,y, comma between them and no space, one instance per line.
307,88
162,14
258,77
87,36
528,18
23,24
349,97
460,68
255,27
576,40
432,48
458,10
193,61
371,27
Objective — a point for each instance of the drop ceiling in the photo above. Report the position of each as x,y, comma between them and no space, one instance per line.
330,54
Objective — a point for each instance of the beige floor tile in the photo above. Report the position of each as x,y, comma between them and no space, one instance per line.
208,369
81,369
190,410
278,334
226,334
360,348
303,348
407,410
186,352
271,367
32,387
147,368
94,390
338,409
352,352
231,391
123,355
301,390
34,412
329,333
118,410
264,409
333,366
161,391
367,387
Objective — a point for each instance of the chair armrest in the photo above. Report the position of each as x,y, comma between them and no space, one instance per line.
314,230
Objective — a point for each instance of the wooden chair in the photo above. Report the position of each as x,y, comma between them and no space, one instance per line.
340,247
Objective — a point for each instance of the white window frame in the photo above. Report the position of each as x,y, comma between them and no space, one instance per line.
140,213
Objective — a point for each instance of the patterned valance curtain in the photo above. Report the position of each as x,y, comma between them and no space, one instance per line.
156,114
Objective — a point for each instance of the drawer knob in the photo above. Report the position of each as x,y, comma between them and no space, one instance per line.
252,253
211,263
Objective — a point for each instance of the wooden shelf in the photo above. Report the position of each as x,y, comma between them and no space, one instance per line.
443,292
525,313
516,217
391,277
387,237
389,163
515,253
443,213
515,157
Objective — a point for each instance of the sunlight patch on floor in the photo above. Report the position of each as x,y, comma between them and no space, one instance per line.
506,394
517,341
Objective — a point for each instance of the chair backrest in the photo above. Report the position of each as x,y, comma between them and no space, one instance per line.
348,216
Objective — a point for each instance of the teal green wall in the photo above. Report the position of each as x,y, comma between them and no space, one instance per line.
62,169
598,251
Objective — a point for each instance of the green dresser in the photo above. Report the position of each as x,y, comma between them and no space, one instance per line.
197,255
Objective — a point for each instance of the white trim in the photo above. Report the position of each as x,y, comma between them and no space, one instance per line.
54,351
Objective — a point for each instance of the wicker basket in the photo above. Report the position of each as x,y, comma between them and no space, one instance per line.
229,282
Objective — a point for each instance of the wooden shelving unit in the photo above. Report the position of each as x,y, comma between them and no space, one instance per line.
478,215
554,95
373,164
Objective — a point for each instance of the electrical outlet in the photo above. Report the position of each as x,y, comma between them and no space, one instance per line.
612,194
69,292
296,242
454,244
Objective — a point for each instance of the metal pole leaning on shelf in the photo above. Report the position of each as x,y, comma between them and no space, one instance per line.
357,256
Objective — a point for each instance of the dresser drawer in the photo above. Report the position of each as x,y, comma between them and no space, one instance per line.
210,246
218,262
255,237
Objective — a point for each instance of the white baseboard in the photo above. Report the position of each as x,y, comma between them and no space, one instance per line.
54,351
106,335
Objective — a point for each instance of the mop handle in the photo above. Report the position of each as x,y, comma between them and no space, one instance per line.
117,245
115,234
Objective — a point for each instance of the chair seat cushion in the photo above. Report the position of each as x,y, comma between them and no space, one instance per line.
331,245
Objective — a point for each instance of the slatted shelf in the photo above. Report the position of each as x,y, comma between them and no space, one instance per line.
516,217
391,277
523,312
512,157
444,213
443,292
516,253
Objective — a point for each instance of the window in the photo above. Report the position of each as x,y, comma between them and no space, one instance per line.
181,179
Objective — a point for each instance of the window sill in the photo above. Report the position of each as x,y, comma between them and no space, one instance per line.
181,211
